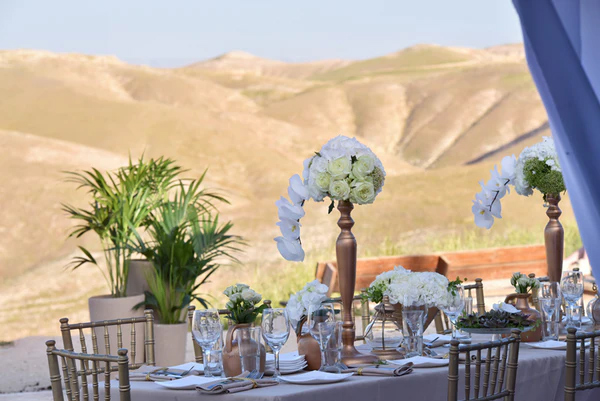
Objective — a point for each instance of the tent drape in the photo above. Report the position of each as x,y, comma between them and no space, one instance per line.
562,46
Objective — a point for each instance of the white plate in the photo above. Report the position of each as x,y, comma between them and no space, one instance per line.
198,367
551,344
584,319
316,377
422,362
187,383
438,339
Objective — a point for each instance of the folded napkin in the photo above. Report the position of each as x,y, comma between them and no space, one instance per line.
155,373
234,384
382,370
436,340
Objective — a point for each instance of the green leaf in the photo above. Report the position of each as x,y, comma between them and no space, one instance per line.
331,206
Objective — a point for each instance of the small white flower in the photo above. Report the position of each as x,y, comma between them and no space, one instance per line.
363,193
290,249
363,166
505,307
322,181
290,229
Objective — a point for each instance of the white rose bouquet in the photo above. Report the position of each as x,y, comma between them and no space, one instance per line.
343,170
420,288
523,284
536,168
313,294
242,303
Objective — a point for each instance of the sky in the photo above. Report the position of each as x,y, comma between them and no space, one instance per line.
169,33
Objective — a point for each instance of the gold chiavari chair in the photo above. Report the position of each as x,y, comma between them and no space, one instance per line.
442,323
147,320
91,365
589,375
500,369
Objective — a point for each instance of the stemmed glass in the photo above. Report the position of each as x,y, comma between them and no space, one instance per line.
454,307
571,286
276,330
206,329
549,299
321,325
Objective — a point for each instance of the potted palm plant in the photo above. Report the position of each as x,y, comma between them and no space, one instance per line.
121,203
186,245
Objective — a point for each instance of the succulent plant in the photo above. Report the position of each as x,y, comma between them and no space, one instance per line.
494,319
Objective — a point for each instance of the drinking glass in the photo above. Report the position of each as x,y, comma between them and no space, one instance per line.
549,297
249,348
321,325
276,330
207,329
454,307
333,352
413,321
571,286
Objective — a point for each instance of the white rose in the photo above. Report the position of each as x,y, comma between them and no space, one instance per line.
340,167
248,295
339,190
363,166
362,193
322,181
236,297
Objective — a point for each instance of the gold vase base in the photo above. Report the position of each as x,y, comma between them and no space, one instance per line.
351,357
387,354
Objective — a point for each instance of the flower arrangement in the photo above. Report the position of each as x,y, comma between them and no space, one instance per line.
536,168
523,284
343,170
242,303
313,294
420,288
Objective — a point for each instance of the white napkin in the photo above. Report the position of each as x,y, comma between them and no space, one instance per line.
422,362
197,368
316,377
440,339
503,306
187,383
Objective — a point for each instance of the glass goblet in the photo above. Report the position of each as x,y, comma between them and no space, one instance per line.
206,329
275,330
321,325
571,286
454,307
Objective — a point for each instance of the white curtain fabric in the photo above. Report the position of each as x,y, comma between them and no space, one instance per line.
562,45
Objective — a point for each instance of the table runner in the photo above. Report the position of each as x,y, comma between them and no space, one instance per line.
540,376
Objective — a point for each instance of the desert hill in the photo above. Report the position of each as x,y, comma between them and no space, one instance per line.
429,112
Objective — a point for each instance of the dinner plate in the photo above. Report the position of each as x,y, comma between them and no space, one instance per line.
316,377
187,383
422,362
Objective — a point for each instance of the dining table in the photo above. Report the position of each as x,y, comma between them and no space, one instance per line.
540,376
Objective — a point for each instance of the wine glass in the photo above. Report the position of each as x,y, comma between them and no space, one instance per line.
206,329
276,330
549,297
321,325
454,307
571,286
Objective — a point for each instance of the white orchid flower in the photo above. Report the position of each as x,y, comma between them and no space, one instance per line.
297,191
497,183
483,216
290,229
290,249
288,211
509,164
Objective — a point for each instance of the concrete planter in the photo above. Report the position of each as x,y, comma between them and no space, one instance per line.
138,271
170,343
106,307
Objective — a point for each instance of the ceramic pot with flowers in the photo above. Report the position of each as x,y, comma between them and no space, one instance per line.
308,346
242,314
520,299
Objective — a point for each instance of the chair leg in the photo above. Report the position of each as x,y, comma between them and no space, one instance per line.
57,393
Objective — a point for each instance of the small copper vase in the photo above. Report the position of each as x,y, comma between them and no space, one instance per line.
520,301
232,363
309,347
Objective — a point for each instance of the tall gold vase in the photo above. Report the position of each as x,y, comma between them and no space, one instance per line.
345,250
554,238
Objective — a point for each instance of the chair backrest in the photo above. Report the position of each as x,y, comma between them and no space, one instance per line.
369,268
67,328
500,368
90,365
587,378
442,323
